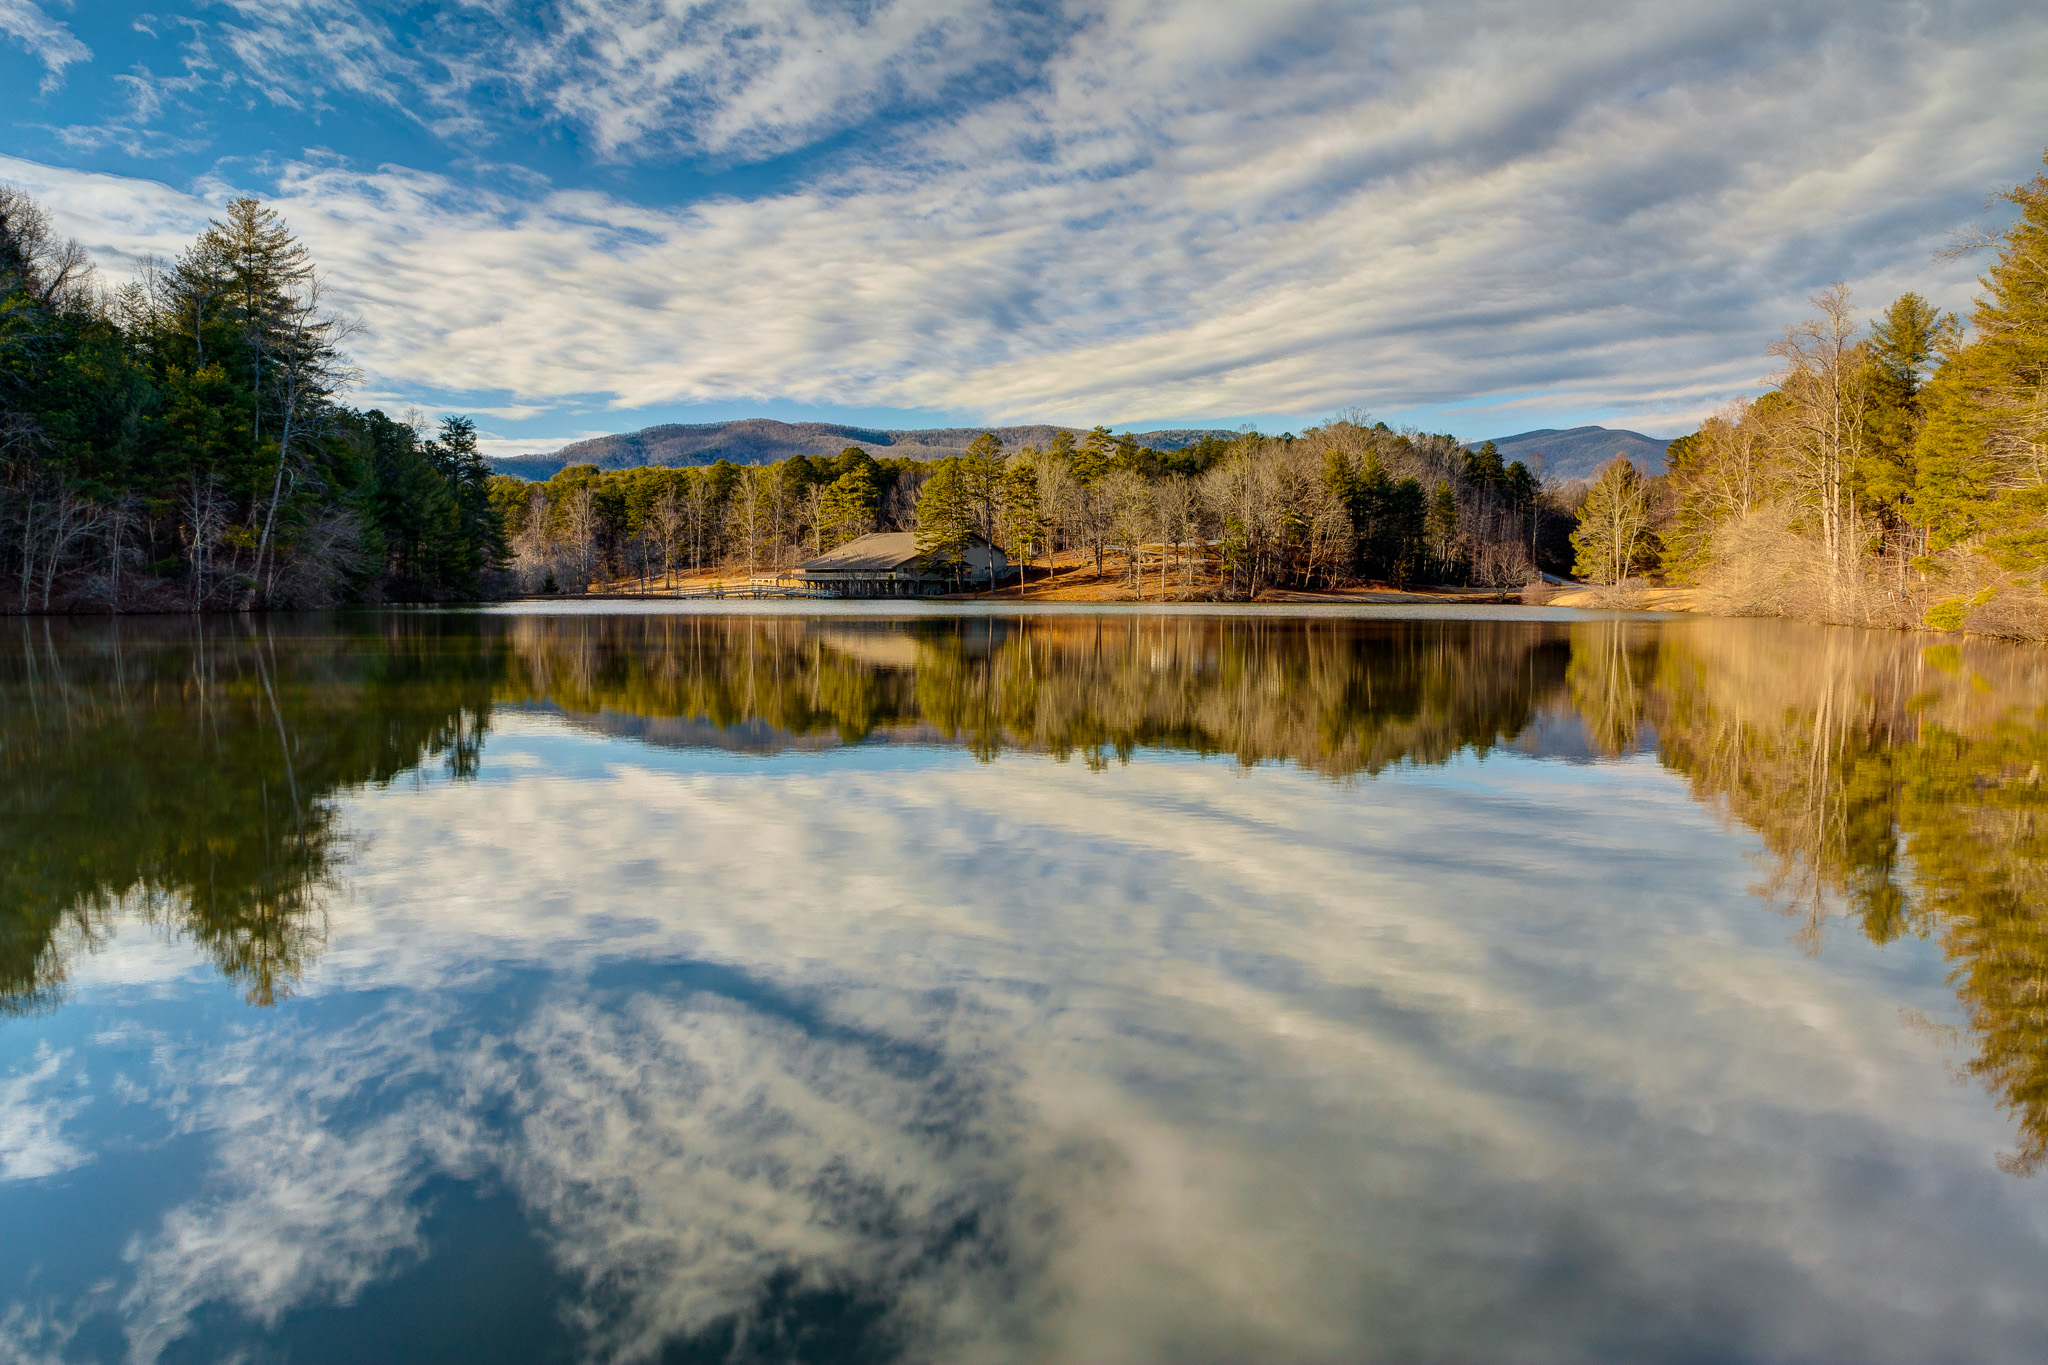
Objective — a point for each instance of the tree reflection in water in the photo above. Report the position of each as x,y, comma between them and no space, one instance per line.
1337,697
1897,783
190,773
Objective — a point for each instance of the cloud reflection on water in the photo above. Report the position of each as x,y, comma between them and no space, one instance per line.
1095,1072
1024,1060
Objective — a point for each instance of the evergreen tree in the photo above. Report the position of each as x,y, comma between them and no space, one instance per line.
1443,527
981,482
1389,517
1483,468
478,533
1023,514
1901,350
1982,455
1403,529
1094,457
848,509
945,517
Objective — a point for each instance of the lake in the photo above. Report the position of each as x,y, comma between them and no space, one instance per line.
1188,986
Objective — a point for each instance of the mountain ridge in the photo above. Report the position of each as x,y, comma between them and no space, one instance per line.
1578,452
1566,454
763,440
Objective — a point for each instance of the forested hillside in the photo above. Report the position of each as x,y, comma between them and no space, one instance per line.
177,444
1340,503
1895,475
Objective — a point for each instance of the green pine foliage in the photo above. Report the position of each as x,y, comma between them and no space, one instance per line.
1983,454
849,504
1094,458
179,444
1900,354
945,514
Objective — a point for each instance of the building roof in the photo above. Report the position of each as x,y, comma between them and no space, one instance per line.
880,552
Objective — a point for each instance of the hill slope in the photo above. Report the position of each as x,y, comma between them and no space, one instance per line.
761,440
1577,452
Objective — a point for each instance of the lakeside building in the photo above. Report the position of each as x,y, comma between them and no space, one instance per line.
888,564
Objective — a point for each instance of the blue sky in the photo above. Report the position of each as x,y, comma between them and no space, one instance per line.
1472,215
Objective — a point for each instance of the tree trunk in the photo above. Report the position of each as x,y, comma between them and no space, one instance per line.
28,544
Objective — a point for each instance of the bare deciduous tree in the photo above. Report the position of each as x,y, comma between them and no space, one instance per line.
665,523
579,533
204,512
753,511
1820,378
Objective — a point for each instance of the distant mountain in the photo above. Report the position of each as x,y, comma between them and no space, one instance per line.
1577,452
760,440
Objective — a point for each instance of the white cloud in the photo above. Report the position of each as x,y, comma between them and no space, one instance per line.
752,79
1155,210
315,1208
725,78
49,41
33,1111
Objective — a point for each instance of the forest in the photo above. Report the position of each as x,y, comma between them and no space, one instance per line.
1894,475
1345,502
176,444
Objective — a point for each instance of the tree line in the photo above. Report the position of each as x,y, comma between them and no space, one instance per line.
177,443
1894,475
1344,502
586,525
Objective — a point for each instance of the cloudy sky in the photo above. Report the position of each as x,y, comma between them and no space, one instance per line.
1470,215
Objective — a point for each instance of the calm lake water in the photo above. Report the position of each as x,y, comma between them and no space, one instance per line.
1505,986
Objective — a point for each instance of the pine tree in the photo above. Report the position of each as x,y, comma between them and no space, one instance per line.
478,534
1982,455
1483,468
945,517
848,508
1023,514
1902,346
1094,457
981,481
1443,526
1403,528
